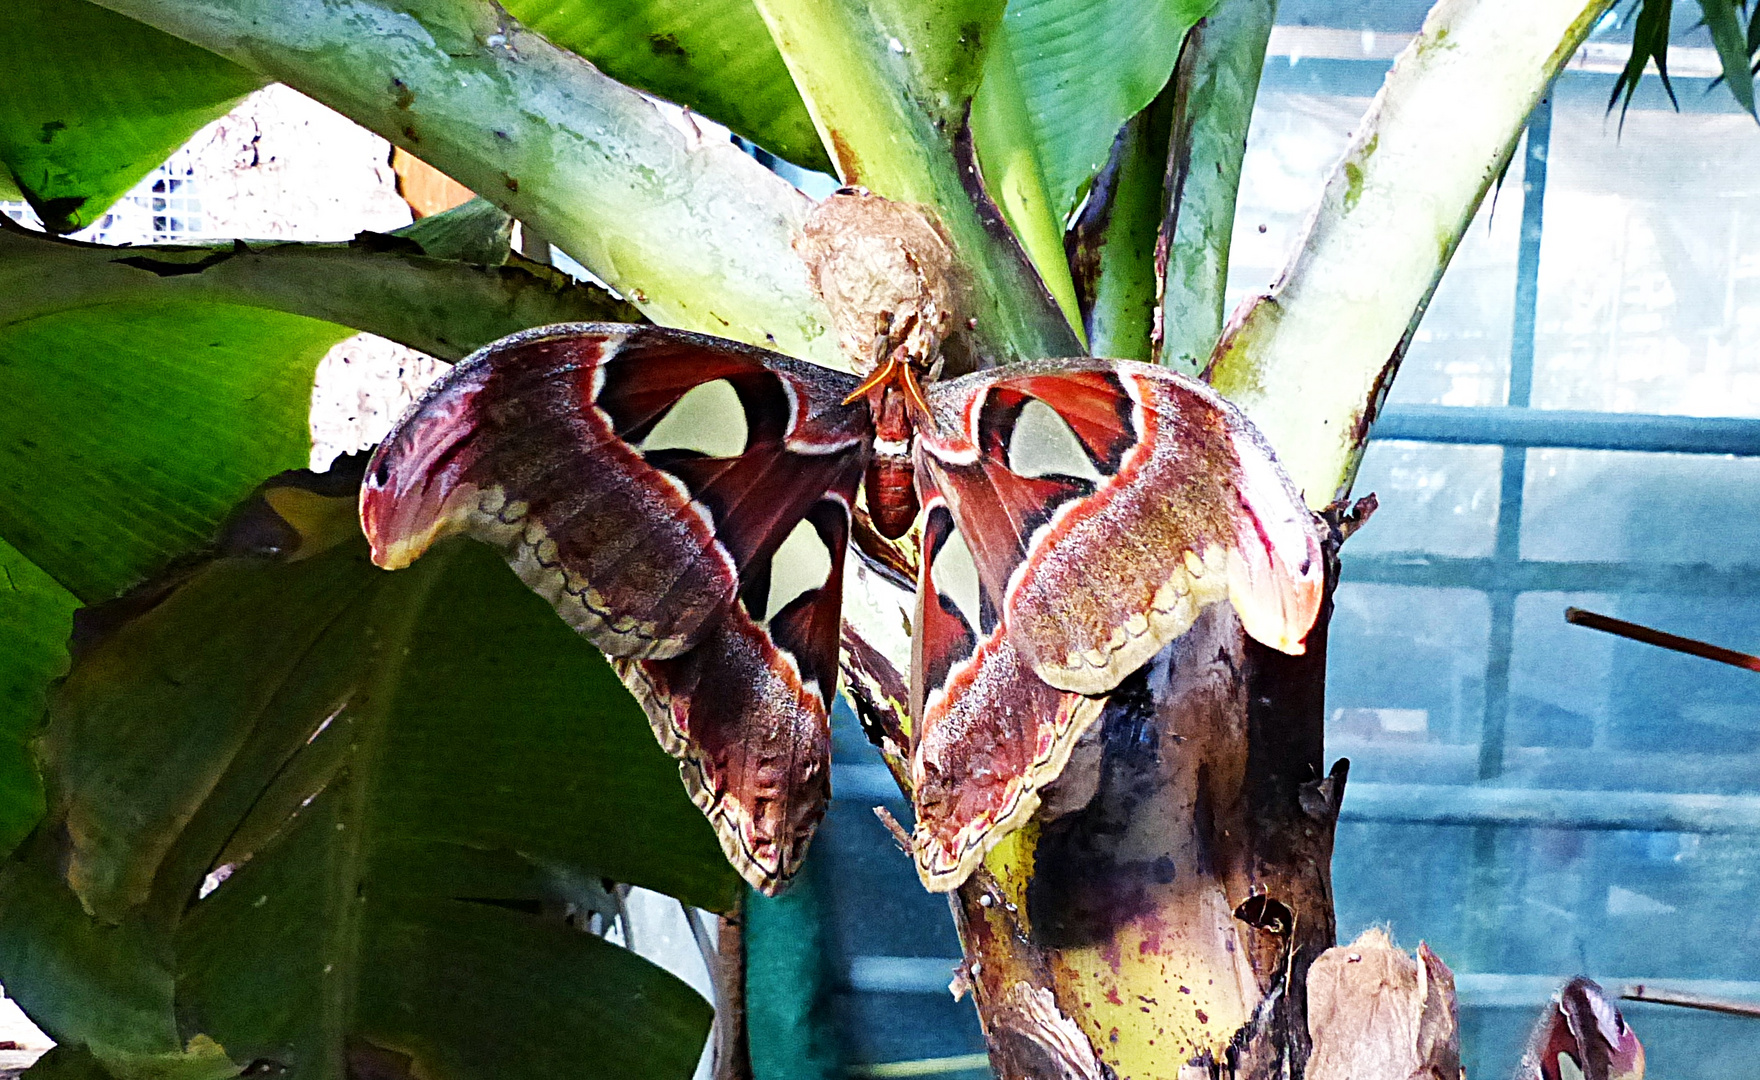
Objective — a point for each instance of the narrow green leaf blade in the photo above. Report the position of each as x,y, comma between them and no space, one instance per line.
1649,42
1217,82
1014,175
95,101
1723,20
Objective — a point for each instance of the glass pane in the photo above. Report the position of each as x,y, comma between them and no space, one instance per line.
1405,676
1609,506
1296,139
1650,265
1440,500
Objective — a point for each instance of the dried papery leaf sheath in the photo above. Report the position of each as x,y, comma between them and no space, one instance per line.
665,490
1376,1013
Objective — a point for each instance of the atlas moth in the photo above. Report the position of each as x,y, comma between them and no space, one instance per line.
688,503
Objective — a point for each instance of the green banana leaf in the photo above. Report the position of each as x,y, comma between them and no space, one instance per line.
339,820
95,101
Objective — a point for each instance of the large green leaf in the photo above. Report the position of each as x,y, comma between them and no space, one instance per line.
94,101
35,617
715,56
410,778
117,366
1084,67
128,431
105,986
289,963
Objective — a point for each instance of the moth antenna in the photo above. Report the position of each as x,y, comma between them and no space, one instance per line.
919,404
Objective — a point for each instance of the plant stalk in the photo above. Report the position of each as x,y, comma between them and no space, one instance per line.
733,1059
889,84
442,307
693,231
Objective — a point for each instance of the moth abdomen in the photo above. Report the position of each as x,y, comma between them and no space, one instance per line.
891,482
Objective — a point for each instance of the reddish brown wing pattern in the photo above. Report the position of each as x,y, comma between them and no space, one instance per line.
667,558
1077,519
1583,1030
991,734
1174,503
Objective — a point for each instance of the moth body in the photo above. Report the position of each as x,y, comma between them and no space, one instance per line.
891,478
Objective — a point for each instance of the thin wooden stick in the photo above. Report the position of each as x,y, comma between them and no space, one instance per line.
1579,617
1660,996
733,1059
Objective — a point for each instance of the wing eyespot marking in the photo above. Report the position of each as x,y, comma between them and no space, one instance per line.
1042,444
802,564
709,420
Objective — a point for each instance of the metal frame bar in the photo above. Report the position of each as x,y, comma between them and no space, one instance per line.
1491,574
1515,458
1570,429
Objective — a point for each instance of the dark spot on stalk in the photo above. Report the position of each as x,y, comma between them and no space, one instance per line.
1093,873
512,184
409,132
404,96
50,130
667,45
